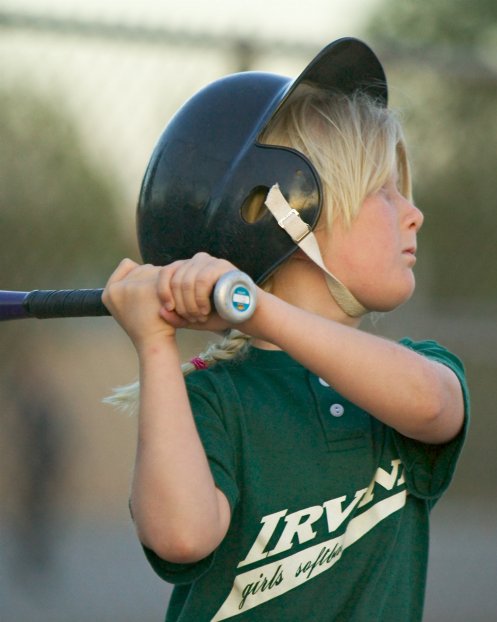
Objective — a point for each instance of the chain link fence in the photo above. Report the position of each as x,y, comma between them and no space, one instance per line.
81,105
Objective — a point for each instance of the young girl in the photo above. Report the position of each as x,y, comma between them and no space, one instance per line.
293,479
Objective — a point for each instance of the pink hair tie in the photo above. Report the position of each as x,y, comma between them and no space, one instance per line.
198,363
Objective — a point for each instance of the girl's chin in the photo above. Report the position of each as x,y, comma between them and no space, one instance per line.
388,301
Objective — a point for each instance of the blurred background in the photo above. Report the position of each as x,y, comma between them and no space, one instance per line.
85,90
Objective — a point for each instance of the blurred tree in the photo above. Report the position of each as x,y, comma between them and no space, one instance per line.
443,55
58,222
59,228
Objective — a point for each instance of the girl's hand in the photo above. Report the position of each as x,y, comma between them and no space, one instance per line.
150,301
185,290
131,296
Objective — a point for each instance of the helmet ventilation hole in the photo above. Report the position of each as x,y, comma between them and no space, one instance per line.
254,207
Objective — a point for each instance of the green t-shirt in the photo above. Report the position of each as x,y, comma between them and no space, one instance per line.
330,507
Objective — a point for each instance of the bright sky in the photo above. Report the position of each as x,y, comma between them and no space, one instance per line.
320,20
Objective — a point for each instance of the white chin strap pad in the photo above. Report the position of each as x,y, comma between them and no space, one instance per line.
300,232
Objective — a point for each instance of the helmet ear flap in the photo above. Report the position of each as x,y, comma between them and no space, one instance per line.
261,168
263,244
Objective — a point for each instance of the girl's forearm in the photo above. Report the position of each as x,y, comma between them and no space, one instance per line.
178,510
420,398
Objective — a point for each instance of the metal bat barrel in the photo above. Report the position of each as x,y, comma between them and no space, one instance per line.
234,297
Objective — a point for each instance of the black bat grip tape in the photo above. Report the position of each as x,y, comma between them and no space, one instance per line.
48,303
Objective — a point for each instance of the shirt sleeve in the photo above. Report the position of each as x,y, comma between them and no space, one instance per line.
209,414
430,468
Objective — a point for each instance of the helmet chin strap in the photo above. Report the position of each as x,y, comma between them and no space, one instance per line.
300,232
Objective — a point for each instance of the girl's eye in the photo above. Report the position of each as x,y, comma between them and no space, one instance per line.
390,188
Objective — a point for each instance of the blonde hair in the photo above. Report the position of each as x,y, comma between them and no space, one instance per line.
355,143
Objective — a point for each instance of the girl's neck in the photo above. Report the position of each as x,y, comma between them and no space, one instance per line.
302,284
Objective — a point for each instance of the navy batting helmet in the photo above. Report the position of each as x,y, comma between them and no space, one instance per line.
208,163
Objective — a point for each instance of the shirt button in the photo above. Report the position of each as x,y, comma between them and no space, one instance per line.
323,382
337,410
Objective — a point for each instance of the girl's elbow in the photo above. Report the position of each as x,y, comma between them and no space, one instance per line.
181,552
178,540
178,546
446,426
442,419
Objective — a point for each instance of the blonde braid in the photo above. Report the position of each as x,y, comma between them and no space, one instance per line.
231,345
235,343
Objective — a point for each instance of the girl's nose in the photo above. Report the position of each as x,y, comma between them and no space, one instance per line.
415,216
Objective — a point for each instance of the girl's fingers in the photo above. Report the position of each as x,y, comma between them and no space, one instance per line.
197,284
164,287
200,278
170,287
185,286
172,318
212,323
123,269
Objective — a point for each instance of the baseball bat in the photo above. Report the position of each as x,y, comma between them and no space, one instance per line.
234,298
